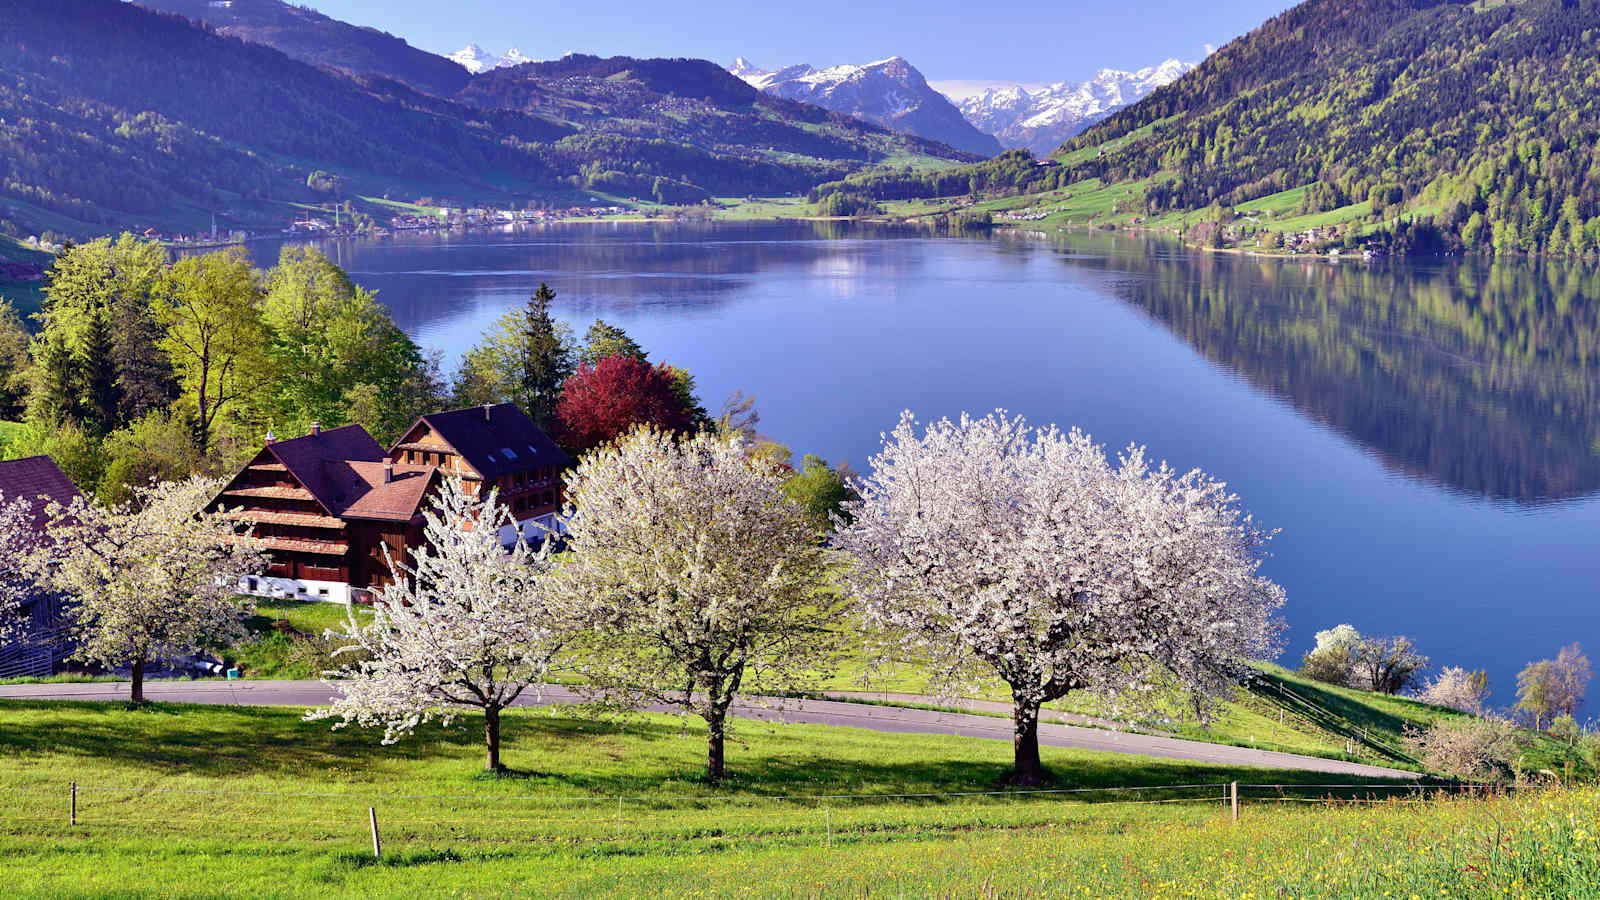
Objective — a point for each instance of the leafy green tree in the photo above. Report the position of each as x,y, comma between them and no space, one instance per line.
604,339
73,449
98,336
821,491
523,359
159,447
14,362
211,308
683,389
336,355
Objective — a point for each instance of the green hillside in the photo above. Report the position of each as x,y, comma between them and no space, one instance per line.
113,116
1407,125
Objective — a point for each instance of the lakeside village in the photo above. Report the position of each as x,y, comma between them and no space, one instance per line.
338,223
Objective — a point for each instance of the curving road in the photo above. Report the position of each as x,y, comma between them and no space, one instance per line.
892,719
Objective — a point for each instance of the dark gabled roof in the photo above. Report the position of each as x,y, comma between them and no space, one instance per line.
38,479
482,435
344,469
322,461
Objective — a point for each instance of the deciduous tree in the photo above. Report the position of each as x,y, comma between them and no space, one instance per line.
210,307
1458,688
151,578
1552,687
467,625
704,581
1387,665
619,393
986,545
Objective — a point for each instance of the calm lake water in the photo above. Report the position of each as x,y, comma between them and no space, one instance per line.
1425,436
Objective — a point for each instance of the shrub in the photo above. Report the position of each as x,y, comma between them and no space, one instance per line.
1471,749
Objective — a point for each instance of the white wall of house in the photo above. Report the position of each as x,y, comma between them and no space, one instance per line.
295,588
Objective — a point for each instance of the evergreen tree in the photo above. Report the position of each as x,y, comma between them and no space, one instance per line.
604,339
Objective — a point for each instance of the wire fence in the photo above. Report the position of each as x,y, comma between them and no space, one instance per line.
360,822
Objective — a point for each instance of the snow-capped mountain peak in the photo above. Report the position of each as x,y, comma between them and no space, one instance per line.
476,60
744,68
1041,120
473,58
890,92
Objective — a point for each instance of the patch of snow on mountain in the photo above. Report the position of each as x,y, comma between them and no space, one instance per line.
1041,120
473,58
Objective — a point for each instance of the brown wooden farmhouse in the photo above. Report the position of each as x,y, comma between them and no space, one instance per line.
328,504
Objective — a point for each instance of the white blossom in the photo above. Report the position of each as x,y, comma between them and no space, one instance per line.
148,579
466,625
984,544
702,580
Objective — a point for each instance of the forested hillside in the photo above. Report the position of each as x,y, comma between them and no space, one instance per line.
114,116
1483,116
309,36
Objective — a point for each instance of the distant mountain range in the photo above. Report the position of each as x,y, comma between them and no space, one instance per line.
890,92
115,115
1042,120
477,60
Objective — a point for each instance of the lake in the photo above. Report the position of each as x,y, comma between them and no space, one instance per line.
1426,436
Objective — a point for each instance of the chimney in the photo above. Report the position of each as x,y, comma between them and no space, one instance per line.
486,409
316,429
388,471
271,438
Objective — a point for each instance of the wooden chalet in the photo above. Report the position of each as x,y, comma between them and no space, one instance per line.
498,447
329,503
38,646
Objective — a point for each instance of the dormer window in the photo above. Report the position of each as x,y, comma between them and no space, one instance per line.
509,453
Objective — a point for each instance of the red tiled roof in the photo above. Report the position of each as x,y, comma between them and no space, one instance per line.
396,500
39,479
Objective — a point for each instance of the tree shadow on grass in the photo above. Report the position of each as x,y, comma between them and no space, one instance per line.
558,755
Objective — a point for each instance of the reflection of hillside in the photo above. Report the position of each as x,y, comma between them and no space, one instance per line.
600,269
1479,377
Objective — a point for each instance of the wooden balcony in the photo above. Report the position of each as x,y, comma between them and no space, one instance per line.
271,492
284,517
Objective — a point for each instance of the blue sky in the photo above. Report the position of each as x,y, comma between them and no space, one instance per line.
1023,41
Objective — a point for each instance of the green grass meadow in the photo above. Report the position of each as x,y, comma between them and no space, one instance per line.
233,802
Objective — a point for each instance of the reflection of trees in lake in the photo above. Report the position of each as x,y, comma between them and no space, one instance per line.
600,268
1480,377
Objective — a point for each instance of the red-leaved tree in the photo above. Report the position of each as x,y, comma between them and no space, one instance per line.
601,401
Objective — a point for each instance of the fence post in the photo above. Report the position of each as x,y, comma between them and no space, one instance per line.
74,813
1233,796
829,813
619,818
372,816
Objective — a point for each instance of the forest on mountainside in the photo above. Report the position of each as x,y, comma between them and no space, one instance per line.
1425,125
112,116
1479,118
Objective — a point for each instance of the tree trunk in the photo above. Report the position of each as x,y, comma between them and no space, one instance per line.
714,735
491,739
1027,770
136,689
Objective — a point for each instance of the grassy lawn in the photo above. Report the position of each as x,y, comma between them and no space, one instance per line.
219,801
8,433
286,639
1278,711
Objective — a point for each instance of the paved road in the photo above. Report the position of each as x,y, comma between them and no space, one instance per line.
892,719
